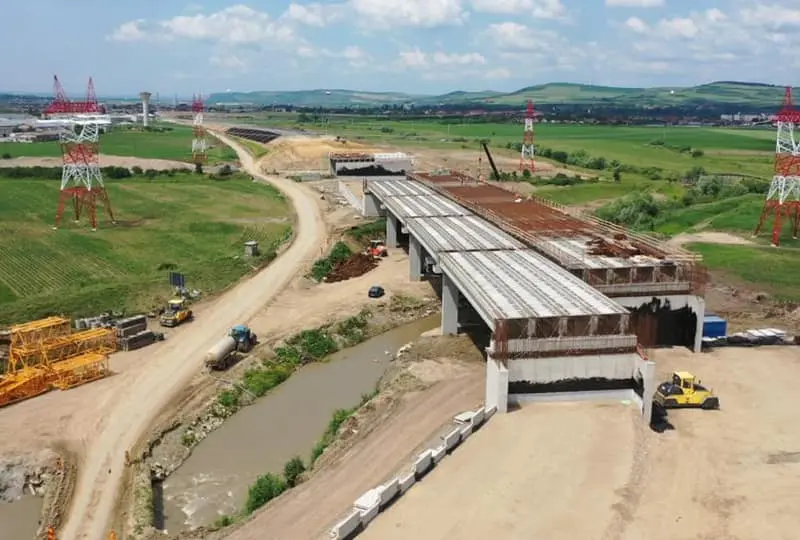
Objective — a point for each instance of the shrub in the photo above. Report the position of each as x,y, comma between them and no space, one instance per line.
261,381
6,155
228,399
266,488
292,471
314,344
635,210
137,170
223,521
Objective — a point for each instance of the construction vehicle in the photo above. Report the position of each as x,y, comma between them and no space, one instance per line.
495,172
683,392
377,249
175,313
223,354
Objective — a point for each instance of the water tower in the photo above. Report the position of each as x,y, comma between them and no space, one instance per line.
145,96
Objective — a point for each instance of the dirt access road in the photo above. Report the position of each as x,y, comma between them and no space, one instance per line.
309,510
130,415
565,471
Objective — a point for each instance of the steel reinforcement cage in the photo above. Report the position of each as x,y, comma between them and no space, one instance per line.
688,267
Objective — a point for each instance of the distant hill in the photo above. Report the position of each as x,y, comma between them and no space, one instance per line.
738,94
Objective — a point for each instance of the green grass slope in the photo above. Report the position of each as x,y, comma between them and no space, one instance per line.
186,223
175,145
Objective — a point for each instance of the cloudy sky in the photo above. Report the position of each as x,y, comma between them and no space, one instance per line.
422,46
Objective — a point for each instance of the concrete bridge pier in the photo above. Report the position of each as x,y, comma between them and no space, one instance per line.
372,205
449,306
496,385
391,230
415,259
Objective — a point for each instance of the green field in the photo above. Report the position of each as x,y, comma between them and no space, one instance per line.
186,223
254,148
175,144
770,270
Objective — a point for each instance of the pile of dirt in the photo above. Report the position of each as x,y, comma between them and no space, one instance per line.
357,265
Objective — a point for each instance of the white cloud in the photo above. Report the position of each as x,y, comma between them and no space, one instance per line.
317,15
420,13
418,59
238,24
513,36
129,31
354,55
635,3
229,61
541,9
637,25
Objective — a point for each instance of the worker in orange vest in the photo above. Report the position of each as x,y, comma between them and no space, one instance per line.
112,536
51,533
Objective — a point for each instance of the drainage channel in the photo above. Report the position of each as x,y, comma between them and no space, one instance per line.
262,437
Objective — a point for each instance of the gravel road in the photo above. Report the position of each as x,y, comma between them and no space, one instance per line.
170,370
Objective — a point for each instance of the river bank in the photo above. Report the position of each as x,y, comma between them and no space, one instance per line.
214,399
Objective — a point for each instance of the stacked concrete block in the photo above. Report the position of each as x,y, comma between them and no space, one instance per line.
131,326
137,341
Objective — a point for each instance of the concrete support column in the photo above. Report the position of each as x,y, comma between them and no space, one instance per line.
449,306
648,371
496,385
698,305
415,258
391,230
372,206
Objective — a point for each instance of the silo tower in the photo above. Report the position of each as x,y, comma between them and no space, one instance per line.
145,96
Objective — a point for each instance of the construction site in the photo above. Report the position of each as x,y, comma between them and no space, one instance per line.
559,324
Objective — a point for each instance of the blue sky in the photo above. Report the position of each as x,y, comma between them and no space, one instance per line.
417,46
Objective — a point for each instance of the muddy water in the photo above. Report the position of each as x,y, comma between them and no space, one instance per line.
20,520
286,422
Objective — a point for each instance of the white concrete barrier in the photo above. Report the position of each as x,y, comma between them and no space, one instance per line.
389,492
452,439
371,503
438,453
490,412
347,527
407,481
369,514
423,464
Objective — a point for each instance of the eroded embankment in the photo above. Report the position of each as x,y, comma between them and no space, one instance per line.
48,476
215,397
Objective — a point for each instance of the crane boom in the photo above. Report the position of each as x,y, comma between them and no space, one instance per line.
491,161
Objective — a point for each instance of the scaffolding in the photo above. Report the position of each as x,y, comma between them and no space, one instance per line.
101,340
45,354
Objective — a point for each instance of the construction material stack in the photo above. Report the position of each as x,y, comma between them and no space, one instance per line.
46,354
138,340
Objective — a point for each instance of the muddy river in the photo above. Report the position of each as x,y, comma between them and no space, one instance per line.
20,519
286,422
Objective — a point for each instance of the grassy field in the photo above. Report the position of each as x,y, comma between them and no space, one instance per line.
195,225
175,145
254,148
741,151
765,268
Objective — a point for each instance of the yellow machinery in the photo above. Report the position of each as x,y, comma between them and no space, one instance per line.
45,354
176,313
684,392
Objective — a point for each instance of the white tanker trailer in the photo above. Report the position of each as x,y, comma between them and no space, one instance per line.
222,354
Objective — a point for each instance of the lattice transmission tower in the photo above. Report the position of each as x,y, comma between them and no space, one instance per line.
199,143
82,185
528,152
783,197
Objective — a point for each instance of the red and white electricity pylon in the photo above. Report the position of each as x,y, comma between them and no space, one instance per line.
82,184
528,152
199,144
783,198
